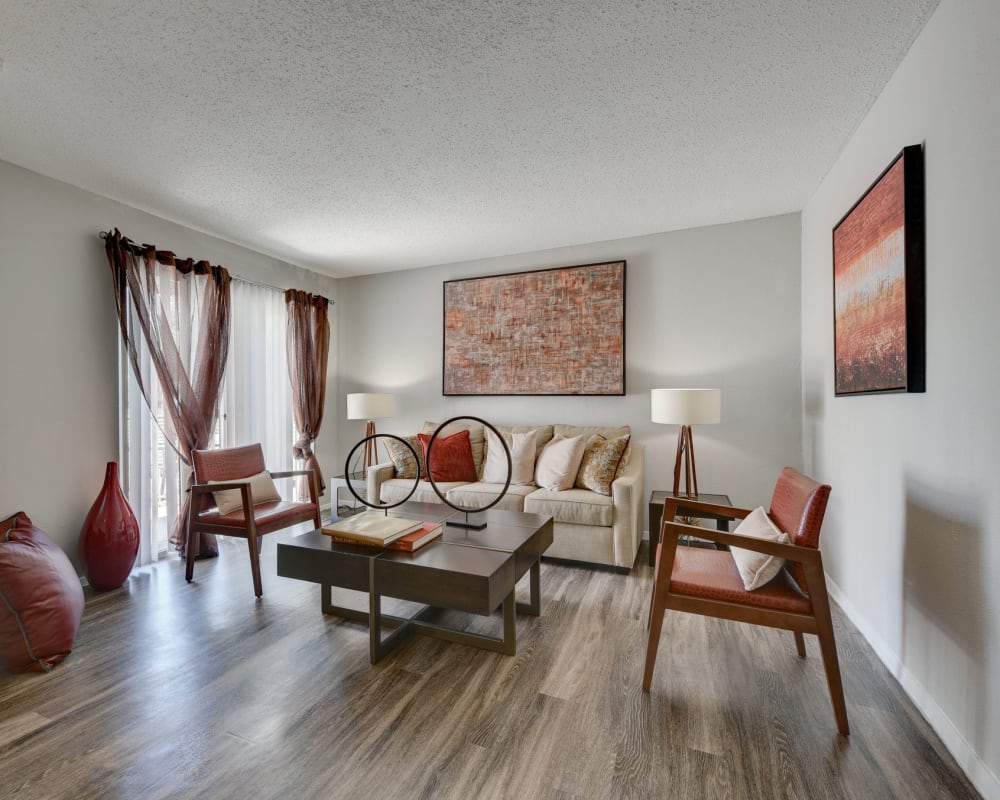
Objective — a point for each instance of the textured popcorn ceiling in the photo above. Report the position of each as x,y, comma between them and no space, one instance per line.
354,137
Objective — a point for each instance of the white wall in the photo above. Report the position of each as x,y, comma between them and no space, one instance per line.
59,334
715,306
913,532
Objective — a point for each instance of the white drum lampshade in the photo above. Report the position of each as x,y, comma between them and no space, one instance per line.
370,406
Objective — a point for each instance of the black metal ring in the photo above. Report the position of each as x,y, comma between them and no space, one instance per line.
427,465
347,470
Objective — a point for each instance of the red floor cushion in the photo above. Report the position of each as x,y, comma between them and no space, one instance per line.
41,600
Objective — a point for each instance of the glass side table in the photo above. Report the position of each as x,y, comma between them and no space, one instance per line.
656,499
338,482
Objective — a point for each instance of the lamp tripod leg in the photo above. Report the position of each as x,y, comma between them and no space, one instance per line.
691,469
678,461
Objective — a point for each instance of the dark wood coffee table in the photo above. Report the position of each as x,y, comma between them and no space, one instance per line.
464,570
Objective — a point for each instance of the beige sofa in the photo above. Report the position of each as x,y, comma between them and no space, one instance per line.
588,526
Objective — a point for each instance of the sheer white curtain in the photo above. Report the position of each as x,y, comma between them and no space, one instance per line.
255,407
257,395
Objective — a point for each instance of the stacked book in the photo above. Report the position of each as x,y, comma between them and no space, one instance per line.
378,530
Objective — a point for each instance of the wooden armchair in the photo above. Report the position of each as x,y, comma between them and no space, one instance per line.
229,469
707,582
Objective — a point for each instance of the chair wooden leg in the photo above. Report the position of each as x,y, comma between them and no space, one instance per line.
800,644
655,626
828,648
255,564
191,548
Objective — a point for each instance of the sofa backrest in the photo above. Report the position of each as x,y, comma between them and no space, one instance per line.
542,438
587,431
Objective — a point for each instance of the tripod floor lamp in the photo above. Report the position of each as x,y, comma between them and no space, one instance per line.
686,407
370,406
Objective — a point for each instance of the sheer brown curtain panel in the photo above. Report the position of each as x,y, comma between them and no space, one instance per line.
179,311
308,344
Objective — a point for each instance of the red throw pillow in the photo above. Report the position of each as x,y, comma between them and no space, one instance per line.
451,458
41,600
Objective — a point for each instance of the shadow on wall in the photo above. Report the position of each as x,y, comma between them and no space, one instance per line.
944,616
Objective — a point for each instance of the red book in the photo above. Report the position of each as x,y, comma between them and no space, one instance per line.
428,532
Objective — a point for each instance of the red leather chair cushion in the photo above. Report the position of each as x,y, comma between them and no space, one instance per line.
41,600
269,516
712,574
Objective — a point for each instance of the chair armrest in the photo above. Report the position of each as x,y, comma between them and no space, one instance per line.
208,488
198,490
672,531
302,473
291,473
673,505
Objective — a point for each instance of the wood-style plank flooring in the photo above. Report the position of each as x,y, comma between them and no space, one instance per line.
201,691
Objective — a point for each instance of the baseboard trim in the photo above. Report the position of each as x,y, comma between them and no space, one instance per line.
975,769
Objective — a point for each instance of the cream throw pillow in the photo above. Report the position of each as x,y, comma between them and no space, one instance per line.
559,462
522,458
756,569
262,490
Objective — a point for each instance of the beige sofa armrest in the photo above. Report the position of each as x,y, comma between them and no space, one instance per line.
377,473
626,500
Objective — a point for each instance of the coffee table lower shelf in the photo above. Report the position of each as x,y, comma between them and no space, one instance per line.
419,624
474,573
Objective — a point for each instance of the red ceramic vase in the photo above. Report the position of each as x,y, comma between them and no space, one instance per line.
109,540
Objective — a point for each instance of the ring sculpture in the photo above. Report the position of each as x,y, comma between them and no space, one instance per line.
363,443
467,523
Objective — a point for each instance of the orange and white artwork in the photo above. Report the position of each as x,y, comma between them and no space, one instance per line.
870,247
548,332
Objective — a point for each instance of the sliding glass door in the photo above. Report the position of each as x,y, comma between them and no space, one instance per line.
255,406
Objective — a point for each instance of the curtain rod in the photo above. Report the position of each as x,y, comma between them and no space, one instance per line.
104,235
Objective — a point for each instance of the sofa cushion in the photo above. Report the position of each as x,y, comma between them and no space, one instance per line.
451,457
41,600
575,506
477,439
522,458
559,462
395,489
479,494
402,459
602,458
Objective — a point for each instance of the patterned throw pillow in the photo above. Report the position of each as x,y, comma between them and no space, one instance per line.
401,457
602,458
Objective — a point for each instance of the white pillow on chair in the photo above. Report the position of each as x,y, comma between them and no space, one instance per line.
262,490
756,569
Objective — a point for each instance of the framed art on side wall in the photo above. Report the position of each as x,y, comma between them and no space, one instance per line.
549,332
878,284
